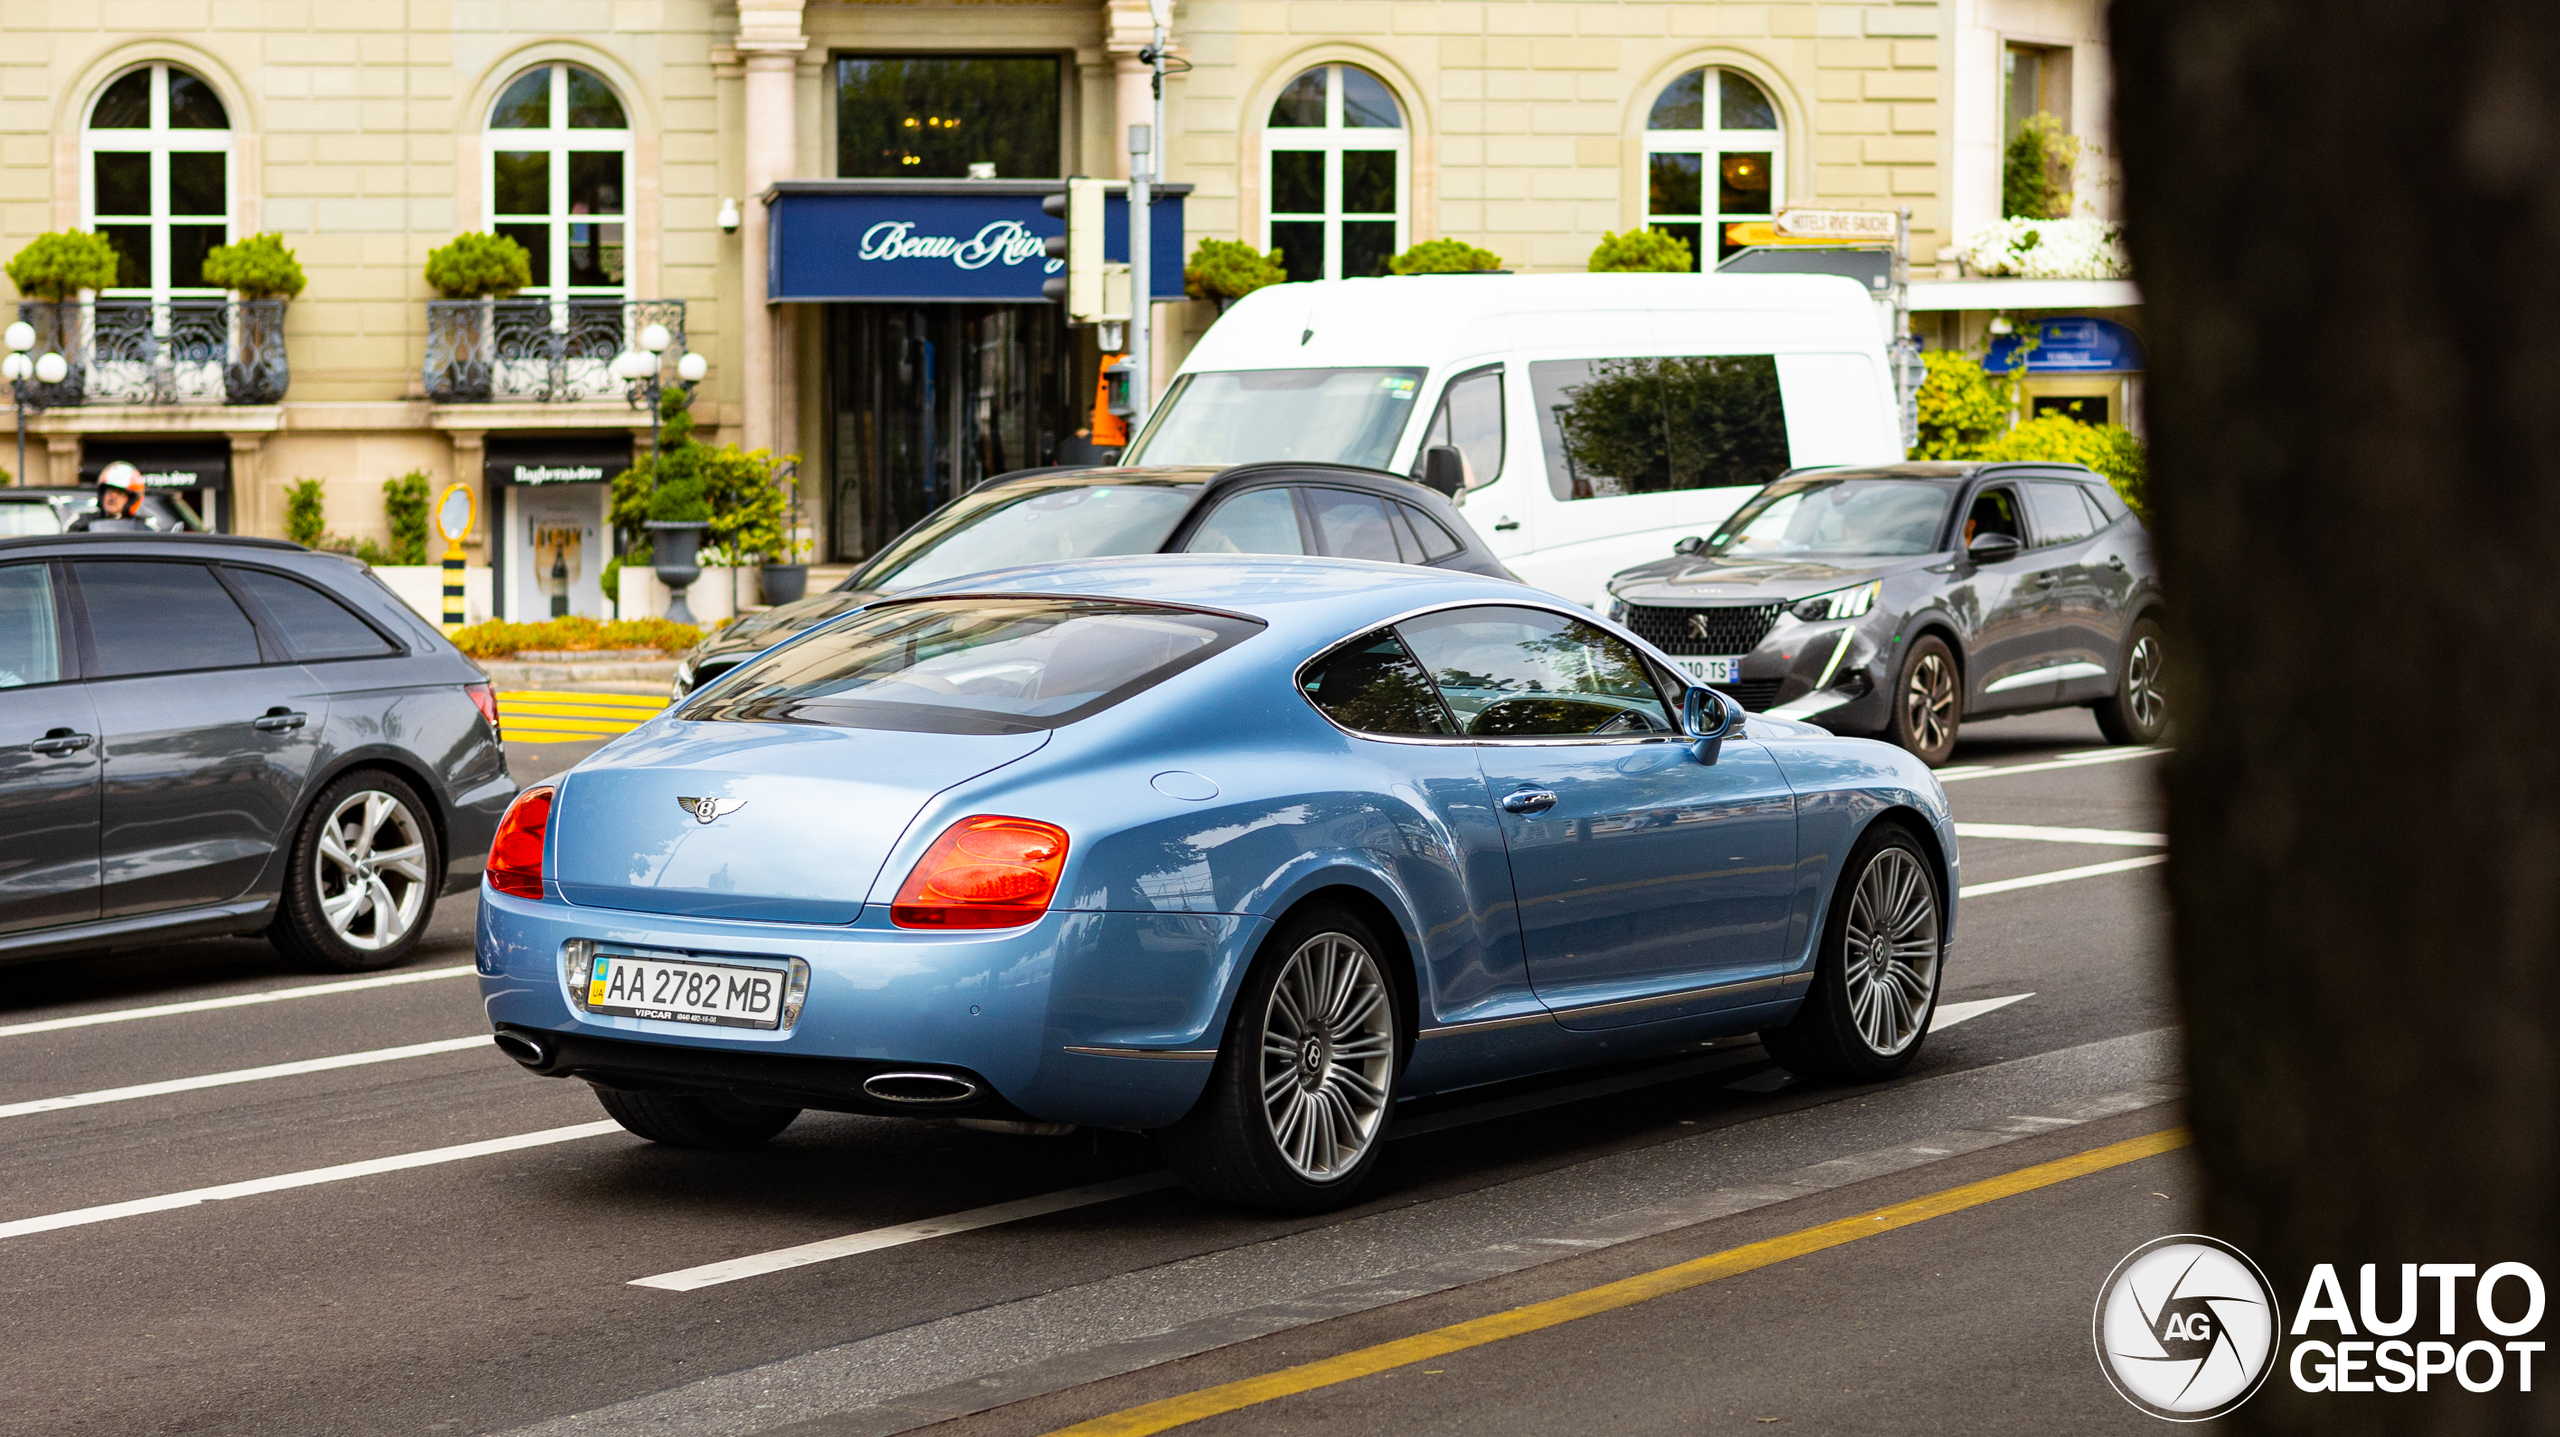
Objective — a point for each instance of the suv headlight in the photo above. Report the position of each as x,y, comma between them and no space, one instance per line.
1839,603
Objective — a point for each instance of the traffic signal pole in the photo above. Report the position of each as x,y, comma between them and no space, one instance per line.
1145,146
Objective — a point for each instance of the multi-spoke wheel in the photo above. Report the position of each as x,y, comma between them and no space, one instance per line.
1875,982
362,878
2138,711
1928,701
1298,1102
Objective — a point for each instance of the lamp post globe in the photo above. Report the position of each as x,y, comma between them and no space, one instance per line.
692,367
16,367
51,369
21,337
655,338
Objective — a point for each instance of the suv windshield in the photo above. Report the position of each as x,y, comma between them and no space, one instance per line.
1246,416
1035,521
1796,518
977,666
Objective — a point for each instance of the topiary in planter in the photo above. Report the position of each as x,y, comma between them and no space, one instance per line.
1228,270
264,274
478,266
59,266
259,267
1646,251
1444,256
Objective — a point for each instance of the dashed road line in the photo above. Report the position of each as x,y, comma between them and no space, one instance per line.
2038,833
237,1000
2061,875
2118,755
241,1075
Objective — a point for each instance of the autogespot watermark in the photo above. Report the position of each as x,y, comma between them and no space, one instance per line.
2188,1328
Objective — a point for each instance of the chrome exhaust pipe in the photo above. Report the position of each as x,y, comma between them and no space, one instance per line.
927,1090
524,1047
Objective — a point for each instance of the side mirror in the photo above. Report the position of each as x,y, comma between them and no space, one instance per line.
1710,718
1691,545
1444,469
1993,548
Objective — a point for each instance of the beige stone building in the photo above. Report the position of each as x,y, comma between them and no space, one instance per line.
632,146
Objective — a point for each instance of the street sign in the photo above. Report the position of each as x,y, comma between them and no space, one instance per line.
1840,226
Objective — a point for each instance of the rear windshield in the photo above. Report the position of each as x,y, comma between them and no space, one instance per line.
1244,416
1033,521
984,665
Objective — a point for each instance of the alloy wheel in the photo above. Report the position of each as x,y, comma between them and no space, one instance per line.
371,870
1889,956
1327,1042
1929,702
2142,696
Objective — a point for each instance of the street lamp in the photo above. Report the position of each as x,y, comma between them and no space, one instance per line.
643,371
48,368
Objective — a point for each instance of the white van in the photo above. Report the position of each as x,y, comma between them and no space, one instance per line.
1601,417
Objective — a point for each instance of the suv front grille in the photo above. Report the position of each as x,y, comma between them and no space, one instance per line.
1756,696
1722,629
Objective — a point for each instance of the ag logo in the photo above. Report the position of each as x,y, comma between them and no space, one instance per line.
2186,1327
706,809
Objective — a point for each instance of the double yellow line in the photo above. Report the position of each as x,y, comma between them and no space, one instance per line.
1608,1297
544,716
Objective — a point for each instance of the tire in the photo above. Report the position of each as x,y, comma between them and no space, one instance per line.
1838,1034
691,1122
363,877
2138,711
1928,701
1310,1145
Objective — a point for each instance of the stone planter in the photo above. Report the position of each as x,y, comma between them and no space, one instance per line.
784,582
674,547
256,371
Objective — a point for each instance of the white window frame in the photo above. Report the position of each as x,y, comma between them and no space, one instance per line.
159,141
1333,139
558,140
1713,143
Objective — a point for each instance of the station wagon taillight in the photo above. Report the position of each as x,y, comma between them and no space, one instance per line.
983,872
484,697
515,855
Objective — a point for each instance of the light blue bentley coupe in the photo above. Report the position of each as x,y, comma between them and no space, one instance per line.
1242,851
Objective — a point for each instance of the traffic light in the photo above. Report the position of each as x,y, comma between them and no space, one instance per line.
1087,289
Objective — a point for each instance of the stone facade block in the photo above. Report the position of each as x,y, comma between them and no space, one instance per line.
1854,55
1915,54
1597,152
1915,119
1898,149
1851,119
1902,20
1340,17
1832,181
1902,85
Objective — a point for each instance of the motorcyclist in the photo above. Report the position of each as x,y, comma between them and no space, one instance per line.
119,503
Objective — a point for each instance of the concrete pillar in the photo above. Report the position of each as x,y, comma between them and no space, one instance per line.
248,488
471,466
769,46
1128,28
61,460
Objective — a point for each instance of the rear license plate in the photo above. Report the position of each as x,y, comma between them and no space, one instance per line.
1712,671
727,995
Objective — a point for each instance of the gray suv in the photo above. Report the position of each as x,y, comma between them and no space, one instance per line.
202,734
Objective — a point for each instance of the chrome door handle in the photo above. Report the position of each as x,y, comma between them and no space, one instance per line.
1528,800
61,741
278,722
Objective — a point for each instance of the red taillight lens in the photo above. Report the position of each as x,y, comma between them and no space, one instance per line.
515,855
485,698
983,872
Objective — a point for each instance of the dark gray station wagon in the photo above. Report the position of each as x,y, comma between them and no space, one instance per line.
203,735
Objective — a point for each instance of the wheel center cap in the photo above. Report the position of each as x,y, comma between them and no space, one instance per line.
1311,1056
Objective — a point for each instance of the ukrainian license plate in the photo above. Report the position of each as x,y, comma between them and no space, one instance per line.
727,995
1712,671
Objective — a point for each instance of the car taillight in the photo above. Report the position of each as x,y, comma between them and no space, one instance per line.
485,698
515,855
983,872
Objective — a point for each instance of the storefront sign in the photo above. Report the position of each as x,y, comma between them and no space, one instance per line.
1839,226
163,466
2069,346
928,241
557,459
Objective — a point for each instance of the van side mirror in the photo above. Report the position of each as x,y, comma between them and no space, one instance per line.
1710,718
1444,469
1689,546
1993,548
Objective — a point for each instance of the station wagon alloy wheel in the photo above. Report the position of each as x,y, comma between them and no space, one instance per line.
1891,970
372,875
1326,1047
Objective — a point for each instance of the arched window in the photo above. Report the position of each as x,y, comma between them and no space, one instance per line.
559,180
156,179
1712,156
1334,174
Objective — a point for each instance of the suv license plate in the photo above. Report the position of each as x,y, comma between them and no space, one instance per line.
1712,671
728,995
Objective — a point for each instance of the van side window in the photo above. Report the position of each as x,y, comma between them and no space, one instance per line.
1469,418
1654,425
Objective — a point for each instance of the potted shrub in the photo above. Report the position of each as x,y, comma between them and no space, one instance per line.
1645,251
264,275
785,575
474,266
678,513
52,271
1224,271
1446,256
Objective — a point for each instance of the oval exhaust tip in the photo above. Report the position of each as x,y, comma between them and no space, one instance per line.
920,1089
522,1047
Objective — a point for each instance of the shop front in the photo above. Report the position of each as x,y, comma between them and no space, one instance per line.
2076,366
193,475
549,493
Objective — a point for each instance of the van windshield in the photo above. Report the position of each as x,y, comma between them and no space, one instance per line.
1246,416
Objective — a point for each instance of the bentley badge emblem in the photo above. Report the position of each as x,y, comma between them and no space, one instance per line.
706,809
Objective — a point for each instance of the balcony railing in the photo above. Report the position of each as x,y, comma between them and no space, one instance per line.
186,351
547,351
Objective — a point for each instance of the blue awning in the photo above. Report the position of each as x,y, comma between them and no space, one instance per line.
942,240
2069,346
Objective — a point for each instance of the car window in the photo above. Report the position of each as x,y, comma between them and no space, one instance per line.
30,644
1353,525
978,666
1032,522
2062,516
2110,506
1431,543
1262,521
1817,516
1525,673
1649,426
1470,419
1373,686
22,518
314,625
149,618
1994,511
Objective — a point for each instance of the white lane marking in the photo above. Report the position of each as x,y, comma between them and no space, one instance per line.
2082,761
370,1167
2061,875
1950,1014
238,1000
2117,837
240,1075
711,1274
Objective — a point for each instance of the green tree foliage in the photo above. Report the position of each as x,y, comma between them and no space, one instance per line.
737,491
404,503
1444,256
2035,174
474,265
259,267
306,515
1645,251
2111,449
59,266
1644,426
1228,270
1962,406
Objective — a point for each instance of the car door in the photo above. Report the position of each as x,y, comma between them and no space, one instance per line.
1649,885
48,760
2008,606
2076,648
207,734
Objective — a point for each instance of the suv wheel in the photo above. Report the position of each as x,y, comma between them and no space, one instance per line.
1928,701
362,880
2138,711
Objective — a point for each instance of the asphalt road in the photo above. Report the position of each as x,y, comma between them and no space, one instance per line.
491,1289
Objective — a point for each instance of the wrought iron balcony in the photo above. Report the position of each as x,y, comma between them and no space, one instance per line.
548,351
135,351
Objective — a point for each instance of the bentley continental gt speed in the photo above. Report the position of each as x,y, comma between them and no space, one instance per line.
1241,851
